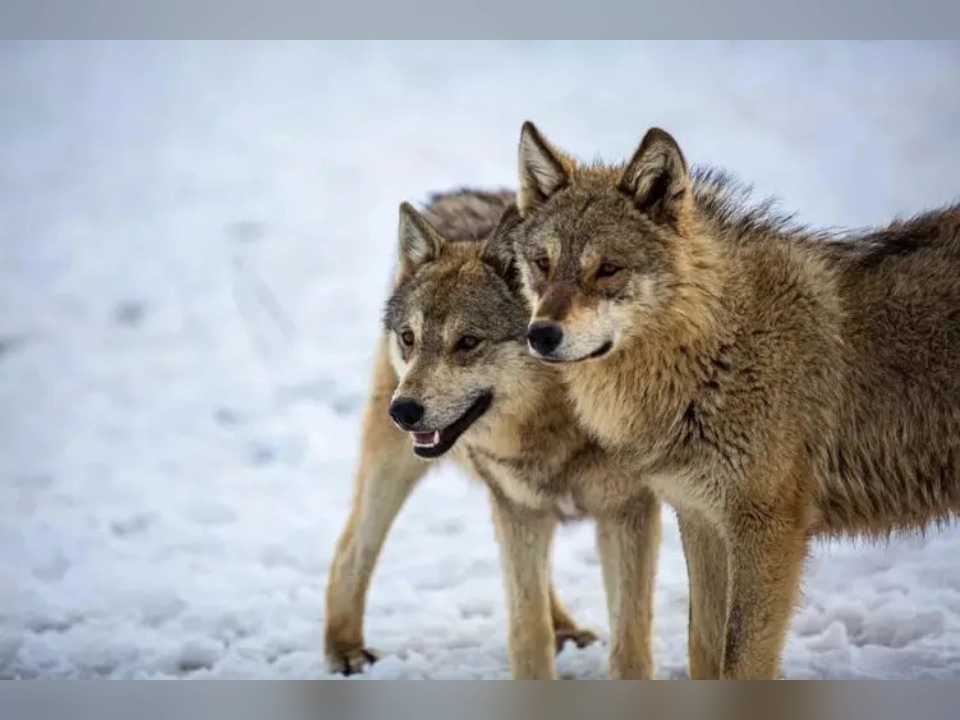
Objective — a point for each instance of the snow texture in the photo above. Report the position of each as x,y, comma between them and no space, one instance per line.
195,243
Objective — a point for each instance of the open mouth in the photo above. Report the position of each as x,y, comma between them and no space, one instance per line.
599,352
436,443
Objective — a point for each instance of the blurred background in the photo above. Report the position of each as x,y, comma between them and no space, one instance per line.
195,244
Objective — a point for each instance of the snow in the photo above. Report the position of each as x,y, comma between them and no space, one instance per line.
195,242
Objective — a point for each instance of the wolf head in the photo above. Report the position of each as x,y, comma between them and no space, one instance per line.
456,322
604,252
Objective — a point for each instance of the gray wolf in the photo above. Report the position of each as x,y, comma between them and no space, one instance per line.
770,382
453,378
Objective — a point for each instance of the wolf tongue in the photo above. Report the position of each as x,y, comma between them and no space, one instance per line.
427,438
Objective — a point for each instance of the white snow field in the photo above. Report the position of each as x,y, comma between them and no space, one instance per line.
195,243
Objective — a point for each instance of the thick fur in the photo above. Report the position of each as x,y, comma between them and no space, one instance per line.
539,466
770,382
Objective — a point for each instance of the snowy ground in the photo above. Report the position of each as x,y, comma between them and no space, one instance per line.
175,460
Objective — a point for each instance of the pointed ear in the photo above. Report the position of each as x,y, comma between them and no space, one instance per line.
498,248
657,179
543,169
420,243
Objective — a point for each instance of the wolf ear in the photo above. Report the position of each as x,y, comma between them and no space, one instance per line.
657,179
498,248
542,169
420,243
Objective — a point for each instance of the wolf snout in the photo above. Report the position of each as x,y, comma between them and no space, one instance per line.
544,337
406,412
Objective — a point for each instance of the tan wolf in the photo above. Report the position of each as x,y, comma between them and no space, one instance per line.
770,382
453,374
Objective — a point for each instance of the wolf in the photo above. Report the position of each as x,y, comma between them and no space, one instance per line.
773,383
453,378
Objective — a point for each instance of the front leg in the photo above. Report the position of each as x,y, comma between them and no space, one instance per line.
765,567
705,551
525,537
380,493
387,473
629,547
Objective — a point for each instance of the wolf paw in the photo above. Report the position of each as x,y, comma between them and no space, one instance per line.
350,661
580,637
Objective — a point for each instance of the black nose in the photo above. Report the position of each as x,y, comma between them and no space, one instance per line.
406,412
544,337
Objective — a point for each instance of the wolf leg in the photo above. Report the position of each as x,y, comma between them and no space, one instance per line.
387,473
565,628
525,538
706,556
629,549
765,566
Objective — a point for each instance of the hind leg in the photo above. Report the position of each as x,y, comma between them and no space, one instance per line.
565,628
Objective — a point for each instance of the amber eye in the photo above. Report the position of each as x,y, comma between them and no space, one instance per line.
543,264
607,270
406,337
467,342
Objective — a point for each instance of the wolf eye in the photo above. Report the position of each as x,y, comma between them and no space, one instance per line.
607,270
406,337
467,342
543,263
